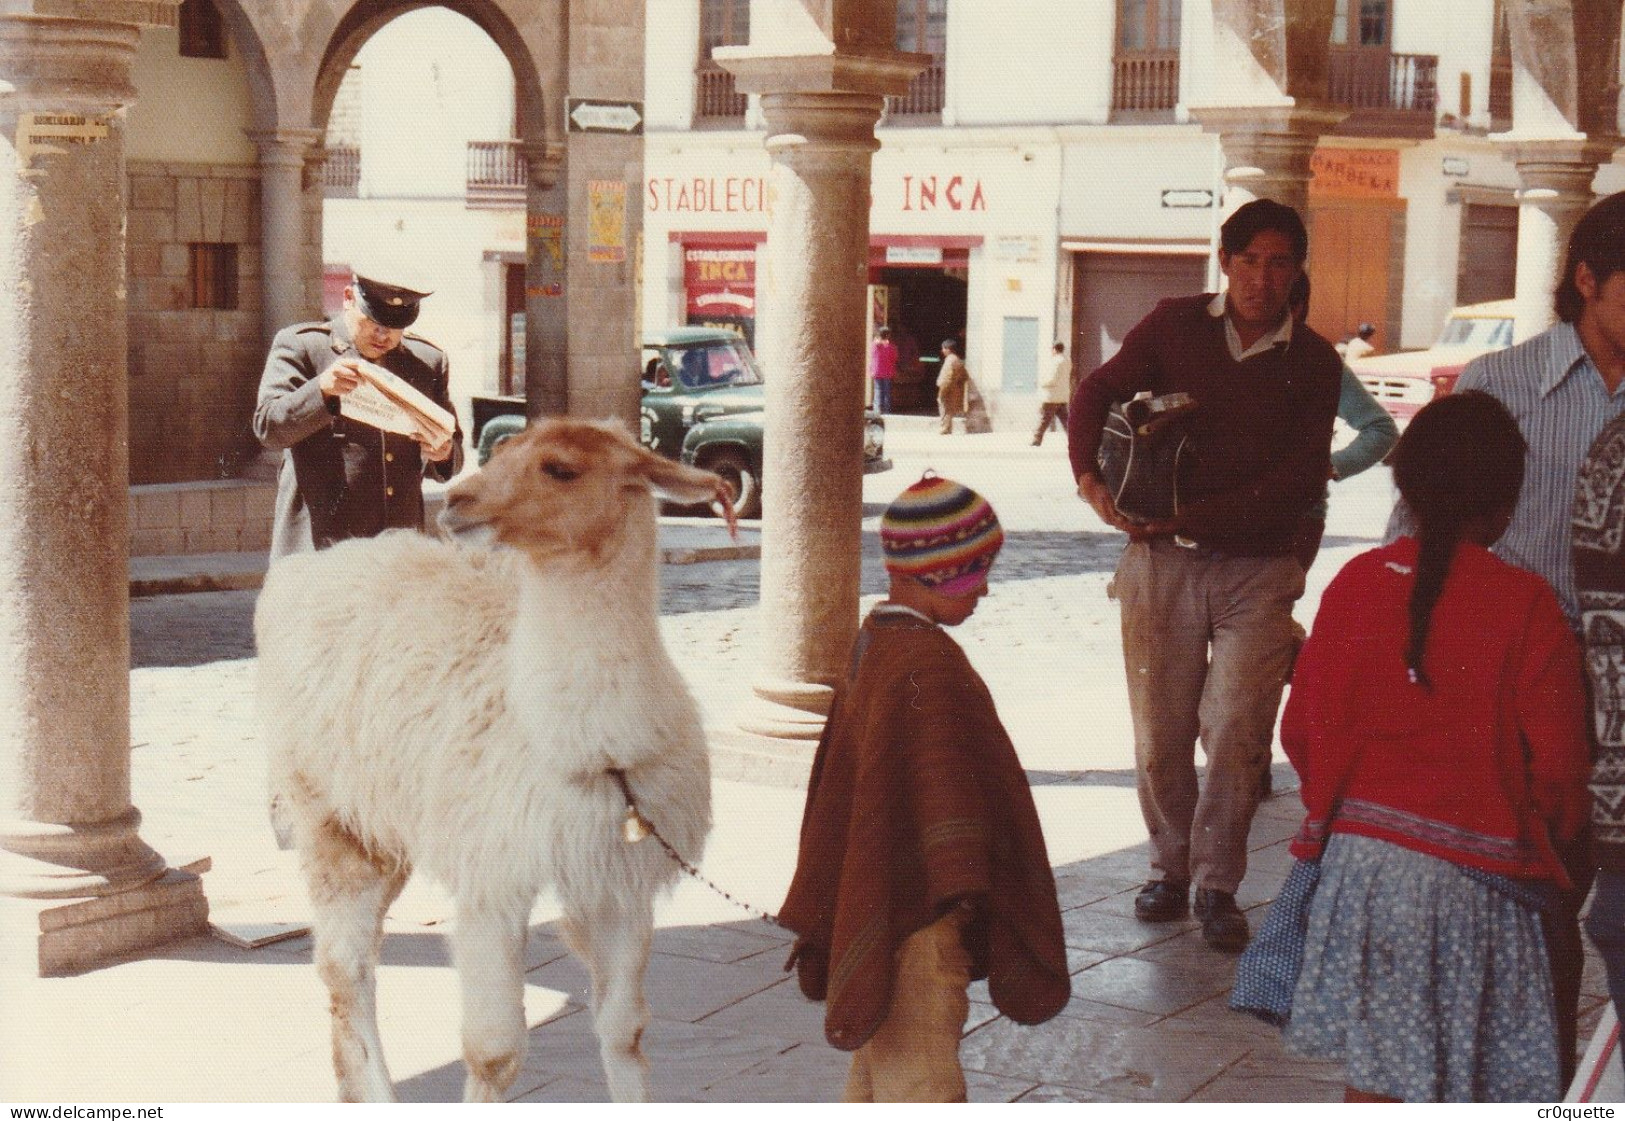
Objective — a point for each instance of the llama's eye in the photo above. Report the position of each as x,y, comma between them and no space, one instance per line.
559,471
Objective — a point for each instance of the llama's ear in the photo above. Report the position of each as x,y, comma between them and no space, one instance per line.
676,482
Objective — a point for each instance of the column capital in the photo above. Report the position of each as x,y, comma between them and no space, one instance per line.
1268,148
880,73
65,65
544,159
802,122
284,144
139,13
1560,167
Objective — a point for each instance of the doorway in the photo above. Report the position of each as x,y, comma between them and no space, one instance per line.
927,305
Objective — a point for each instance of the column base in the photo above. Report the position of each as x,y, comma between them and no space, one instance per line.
55,937
774,736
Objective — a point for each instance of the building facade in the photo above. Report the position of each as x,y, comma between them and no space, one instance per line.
1047,177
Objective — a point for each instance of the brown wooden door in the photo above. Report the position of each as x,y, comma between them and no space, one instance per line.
1349,270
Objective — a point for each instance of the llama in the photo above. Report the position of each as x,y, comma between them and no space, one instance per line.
463,711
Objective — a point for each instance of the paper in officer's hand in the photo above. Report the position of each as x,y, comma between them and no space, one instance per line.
391,403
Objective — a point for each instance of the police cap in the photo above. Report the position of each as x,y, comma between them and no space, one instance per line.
386,304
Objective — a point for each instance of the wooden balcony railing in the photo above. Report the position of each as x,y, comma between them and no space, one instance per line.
1146,82
716,100
925,94
341,173
496,173
1363,78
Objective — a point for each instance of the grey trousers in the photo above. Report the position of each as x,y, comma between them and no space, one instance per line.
1207,644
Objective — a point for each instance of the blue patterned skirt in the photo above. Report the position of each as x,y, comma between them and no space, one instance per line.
1426,984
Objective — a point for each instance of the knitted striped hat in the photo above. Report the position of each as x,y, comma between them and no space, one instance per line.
941,533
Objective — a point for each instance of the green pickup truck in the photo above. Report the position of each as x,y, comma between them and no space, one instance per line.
702,404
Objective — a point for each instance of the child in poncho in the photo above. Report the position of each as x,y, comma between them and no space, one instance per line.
922,865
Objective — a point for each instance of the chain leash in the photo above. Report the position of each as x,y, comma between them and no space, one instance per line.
635,827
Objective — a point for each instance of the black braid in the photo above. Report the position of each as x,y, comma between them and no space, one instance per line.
1438,547
1460,459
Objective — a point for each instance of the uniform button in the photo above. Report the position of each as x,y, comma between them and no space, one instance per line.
389,457
390,491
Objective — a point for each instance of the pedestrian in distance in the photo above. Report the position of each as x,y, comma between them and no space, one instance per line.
922,865
953,387
883,368
1359,344
341,478
1056,386
1207,594
1436,722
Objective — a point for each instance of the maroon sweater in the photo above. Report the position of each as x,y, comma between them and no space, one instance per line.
1261,436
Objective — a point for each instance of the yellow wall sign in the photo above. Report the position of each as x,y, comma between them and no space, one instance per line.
1362,173
606,220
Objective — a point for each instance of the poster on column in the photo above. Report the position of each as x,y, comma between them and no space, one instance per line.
606,220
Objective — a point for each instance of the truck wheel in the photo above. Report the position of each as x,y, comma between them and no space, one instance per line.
747,486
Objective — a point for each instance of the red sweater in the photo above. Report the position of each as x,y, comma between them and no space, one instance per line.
1487,769
1262,435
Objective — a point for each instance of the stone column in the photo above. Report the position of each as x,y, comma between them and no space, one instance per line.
284,154
1267,150
547,321
1555,190
77,883
821,115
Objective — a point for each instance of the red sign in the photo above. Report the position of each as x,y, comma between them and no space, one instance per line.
1355,173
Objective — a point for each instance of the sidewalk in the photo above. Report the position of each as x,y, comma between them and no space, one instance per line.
205,1021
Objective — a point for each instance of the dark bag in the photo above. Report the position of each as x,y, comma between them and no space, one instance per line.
1141,449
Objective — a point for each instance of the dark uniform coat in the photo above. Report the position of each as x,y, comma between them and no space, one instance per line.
341,478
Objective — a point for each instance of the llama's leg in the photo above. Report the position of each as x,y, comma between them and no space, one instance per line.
489,946
613,940
349,892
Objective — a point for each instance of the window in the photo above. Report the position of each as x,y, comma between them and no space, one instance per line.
214,275
723,23
1145,74
1360,23
1147,25
203,35
922,27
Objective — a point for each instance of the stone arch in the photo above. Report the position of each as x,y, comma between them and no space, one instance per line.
262,87
1570,51
1277,47
536,119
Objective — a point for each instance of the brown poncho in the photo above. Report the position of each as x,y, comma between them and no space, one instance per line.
917,800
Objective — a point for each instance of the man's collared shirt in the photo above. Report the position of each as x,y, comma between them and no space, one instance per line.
1281,336
1555,391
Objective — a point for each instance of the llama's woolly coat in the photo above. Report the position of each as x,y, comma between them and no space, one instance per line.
460,719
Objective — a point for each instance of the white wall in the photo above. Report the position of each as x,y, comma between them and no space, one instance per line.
1029,63
188,110
671,45
420,107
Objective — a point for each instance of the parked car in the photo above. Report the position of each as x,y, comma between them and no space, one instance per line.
1402,383
702,404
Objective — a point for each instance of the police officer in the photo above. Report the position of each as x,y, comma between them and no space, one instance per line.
341,478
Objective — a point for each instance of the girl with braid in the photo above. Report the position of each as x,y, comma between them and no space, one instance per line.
1437,722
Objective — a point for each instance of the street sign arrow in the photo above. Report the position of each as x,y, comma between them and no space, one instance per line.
587,115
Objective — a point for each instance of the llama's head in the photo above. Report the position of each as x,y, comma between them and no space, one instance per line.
570,488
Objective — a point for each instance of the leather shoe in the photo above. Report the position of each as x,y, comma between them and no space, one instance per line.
1224,927
1162,901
